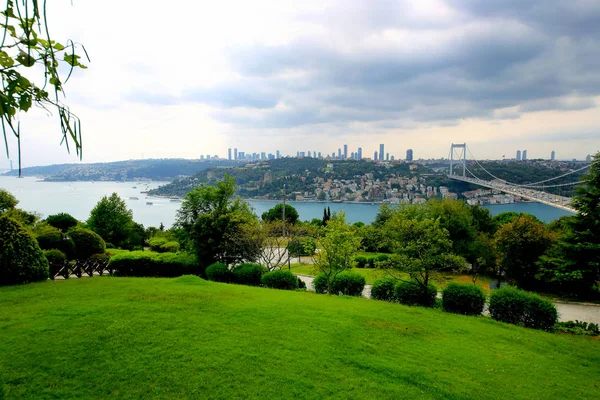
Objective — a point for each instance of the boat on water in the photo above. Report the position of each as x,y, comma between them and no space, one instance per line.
134,198
149,203
175,201
144,191
135,187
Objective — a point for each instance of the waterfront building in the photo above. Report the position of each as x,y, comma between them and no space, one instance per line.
409,155
518,155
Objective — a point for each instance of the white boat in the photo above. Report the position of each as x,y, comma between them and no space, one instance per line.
134,198
149,203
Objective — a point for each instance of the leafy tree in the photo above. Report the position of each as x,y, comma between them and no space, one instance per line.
482,219
87,243
423,249
519,244
7,201
111,219
62,221
339,245
276,214
218,225
508,216
26,44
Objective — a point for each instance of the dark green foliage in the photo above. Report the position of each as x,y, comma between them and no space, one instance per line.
280,280
507,216
578,328
112,220
51,238
515,306
301,284
381,260
383,289
87,243
348,283
361,261
412,294
372,239
370,262
163,245
248,274
150,264
55,256
170,247
62,221
302,246
276,214
320,284
219,272
21,259
463,299
7,201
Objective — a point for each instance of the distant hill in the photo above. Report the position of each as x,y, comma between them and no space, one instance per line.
155,169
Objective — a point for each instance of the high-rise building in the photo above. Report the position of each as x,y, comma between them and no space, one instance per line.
392,158
552,155
524,157
588,158
235,154
241,155
345,151
518,155
229,154
309,154
202,157
319,154
381,152
387,156
375,156
409,155
263,155
277,154
353,156
360,153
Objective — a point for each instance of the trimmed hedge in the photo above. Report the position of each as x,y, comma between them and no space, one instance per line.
280,280
360,261
163,245
301,284
348,283
383,289
320,284
412,294
219,272
55,256
302,246
463,299
370,262
51,238
62,221
87,243
248,274
151,264
21,259
515,306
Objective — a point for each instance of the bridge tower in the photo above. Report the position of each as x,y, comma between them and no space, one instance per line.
458,153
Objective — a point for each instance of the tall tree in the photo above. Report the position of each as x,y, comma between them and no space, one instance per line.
7,201
111,219
276,214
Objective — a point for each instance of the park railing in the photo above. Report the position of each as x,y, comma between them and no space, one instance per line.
79,268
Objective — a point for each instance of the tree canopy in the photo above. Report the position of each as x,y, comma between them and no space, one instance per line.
276,214
112,220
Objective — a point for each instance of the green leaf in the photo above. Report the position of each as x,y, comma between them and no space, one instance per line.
58,47
6,60
25,59
25,102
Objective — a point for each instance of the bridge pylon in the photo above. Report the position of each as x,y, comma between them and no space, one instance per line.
458,153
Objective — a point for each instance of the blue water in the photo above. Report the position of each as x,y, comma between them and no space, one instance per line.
78,199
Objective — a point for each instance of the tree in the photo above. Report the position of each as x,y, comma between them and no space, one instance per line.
216,223
423,249
519,245
508,216
62,221
7,201
111,219
26,43
276,214
87,243
339,245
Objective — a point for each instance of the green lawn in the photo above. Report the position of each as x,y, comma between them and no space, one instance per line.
107,337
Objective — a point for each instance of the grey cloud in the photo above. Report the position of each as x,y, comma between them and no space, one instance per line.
239,94
558,104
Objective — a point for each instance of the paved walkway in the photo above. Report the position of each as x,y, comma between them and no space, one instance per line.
566,311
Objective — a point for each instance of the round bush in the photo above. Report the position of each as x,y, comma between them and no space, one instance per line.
52,238
348,283
21,259
248,274
515,306
303,246
280,280
62,221
87,243
540,313
55,256
301,284
156,242
383,289
370,262
463,299
170,247
360,261
413,294
219,272
320,284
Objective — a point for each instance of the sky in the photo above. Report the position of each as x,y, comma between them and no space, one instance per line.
191,78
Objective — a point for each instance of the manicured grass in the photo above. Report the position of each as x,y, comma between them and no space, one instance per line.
107,337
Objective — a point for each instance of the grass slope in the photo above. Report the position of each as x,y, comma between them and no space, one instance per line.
188,338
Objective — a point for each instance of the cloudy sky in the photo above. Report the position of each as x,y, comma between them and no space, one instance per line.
202,76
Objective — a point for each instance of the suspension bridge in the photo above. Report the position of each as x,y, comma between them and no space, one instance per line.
535,191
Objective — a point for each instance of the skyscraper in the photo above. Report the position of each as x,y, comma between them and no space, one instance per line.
409,155
360,153
263,155
518,155
524,155
277,154
345,151
235,154
339,153
588,158
552,155
375,156
229,154
381,152
387,156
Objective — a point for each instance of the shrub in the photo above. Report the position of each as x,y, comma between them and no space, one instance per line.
361,261
219,272
515,306
301,284
320,284
413,294
151,264
170,247
248,274
578,328
21,259
156,242
51,238
463,299
302,246
348,283
280,280
383,289
87,243
370,262
62,221
55,257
